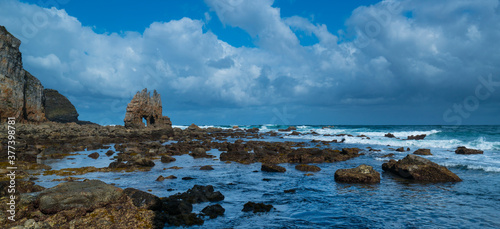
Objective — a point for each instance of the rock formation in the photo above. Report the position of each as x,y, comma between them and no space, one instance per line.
360,174
149,108
21,94
58,108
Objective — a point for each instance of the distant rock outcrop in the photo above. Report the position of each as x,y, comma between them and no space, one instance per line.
149,108
58,108
21,94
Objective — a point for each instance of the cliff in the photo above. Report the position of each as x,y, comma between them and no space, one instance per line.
22,95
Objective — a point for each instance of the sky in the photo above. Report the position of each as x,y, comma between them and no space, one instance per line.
291,62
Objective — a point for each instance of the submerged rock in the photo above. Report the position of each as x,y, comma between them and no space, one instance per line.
307,168
360,174
464,150
420,169
199,194
143,199
206,167
272,168
257,207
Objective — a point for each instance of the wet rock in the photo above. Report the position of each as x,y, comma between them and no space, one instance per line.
401,149
171,177
144,106
290,191
420,169
167,159
86,195
213,211
160,178
389,135
143,200
194,127
464,150
416,137
94,155
307,168
238,156
190,219
200,153
388,155
206,167
174,206
360,174
199,194
143,162
110,153
290,128
272,168
423,152
117,164
188,178
295,133
257,207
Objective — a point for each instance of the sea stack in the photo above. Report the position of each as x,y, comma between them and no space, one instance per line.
149,108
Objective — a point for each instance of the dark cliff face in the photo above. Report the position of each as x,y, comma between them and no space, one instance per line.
58,108
22,95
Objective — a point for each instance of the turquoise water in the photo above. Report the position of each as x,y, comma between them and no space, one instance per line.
320,202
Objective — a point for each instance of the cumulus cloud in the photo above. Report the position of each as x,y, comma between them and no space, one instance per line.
393,52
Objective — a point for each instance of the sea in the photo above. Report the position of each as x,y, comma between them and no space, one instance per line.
320,202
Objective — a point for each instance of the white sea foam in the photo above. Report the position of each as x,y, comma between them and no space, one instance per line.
486,168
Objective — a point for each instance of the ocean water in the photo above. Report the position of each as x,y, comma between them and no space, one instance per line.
320,202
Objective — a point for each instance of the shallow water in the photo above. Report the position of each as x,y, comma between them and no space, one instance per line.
321,202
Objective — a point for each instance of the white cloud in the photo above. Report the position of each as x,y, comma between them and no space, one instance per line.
382,54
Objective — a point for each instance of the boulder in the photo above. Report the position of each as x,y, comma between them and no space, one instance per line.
194,127
143,199
417,168
360,174
257,207
200,153
87,195
149,108
464,150
213,211
389,135
272,168
206,167
423,152
58,108
400,149
307,168
167,159
94,155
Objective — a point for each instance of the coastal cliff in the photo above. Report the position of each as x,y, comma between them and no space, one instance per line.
22,95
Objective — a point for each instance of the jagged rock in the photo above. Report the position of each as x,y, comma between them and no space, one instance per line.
423,152
464,150
257,207
21,94
144,106
307,168
420,169
360,174
199,194
58,108
272,168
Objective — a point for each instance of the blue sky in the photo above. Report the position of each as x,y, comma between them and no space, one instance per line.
263,61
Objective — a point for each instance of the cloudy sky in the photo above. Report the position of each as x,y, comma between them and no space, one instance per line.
264,61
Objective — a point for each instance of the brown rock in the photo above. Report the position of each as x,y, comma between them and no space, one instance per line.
416,137
401,149
144,106
272,168
94,155
420,169
360,174
423,152
389,135
206,167
464,150
307,168
166,159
